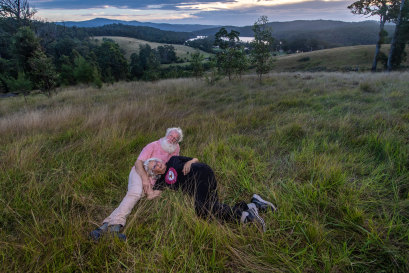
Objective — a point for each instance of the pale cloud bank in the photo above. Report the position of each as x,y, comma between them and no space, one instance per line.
233,12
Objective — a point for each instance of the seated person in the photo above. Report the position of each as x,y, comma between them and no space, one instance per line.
139,184
198,180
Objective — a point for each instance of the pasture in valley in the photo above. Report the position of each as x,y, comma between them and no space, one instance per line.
131,45
349,58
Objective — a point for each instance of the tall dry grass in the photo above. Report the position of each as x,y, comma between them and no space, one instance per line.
330,149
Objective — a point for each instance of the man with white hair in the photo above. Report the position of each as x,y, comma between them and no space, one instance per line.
139,183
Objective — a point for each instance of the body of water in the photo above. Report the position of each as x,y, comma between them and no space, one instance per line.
242,39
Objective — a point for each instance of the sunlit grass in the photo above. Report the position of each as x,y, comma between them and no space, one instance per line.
131,45
348,58
330,149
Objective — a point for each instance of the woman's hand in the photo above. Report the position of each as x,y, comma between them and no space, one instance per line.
188,165
153,194
186,168
147,187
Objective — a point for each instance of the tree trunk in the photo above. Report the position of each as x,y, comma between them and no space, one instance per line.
18,11
395,36
378,44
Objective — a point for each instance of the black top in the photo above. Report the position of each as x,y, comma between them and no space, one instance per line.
174,178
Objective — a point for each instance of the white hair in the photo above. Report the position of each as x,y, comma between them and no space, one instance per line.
167,146
149,171
178,130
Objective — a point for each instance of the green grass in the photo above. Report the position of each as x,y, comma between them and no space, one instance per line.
351,58
330,149
131,45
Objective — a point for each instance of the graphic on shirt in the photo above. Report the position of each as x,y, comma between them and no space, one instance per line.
171,176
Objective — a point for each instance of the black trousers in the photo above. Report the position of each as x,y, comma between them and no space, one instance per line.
203,187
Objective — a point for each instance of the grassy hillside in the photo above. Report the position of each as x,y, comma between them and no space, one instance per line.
131,45
329,32
350,58
330,149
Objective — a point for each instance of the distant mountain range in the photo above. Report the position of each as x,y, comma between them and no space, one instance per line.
98,22
327,33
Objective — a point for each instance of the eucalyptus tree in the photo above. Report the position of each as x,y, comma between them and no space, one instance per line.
17,9
387,10
400,27
262,45
230,58
196,62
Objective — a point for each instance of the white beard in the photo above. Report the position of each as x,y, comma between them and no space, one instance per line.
166,146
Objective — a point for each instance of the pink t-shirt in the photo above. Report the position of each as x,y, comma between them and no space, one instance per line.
154,149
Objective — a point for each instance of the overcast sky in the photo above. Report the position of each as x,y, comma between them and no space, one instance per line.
215,12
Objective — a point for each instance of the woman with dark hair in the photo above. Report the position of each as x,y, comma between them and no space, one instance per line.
198,180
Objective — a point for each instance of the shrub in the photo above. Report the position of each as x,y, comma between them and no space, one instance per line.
21,85
303,59
367,87
293,132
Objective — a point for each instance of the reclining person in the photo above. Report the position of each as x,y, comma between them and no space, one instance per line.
198,180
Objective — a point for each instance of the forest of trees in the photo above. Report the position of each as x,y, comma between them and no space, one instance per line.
41,56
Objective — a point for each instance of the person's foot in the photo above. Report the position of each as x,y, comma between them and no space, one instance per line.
96,234
251,215
114,231
262,204
120,236
114,228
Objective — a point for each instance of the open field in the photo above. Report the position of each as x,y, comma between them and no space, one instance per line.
330,149
351,58
131,45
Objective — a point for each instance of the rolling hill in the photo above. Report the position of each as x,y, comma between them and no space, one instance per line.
351,58
131,45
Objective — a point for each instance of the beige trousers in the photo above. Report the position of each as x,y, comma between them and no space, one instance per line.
134,193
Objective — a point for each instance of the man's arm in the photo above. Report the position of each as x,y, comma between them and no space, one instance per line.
188,164
147,187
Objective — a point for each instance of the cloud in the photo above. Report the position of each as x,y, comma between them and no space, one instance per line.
307,10
234,12
131,4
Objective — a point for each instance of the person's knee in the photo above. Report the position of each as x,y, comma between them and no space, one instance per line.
134,194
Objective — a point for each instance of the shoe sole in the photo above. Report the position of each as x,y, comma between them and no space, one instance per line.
261,200
258,217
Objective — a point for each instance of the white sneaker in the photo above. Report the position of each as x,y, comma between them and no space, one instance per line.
262,204
251,215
